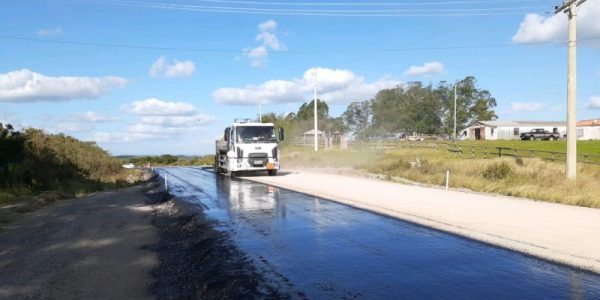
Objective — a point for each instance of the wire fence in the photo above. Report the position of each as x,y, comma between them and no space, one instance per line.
477,151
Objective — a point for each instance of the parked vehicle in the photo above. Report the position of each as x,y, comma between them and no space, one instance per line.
539,134
248,146
415,137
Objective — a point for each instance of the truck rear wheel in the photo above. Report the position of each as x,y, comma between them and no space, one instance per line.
272,172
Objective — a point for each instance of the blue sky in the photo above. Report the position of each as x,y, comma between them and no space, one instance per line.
156,99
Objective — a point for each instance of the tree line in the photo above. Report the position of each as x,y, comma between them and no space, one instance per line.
407,108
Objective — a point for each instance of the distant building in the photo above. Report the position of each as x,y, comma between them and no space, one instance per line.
311,133
509,130
588,130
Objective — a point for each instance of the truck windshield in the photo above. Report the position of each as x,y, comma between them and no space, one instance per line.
255,134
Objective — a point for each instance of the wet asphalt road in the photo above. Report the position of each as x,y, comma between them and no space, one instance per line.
321,249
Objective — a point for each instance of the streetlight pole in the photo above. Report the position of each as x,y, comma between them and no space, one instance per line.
259,112
315,110
455,96
571,8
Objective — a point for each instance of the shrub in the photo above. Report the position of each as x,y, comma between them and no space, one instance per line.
497,171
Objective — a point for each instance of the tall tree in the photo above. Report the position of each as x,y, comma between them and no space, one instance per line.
472,104
358,116
306,111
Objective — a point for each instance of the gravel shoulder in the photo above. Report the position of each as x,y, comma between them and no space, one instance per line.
87,248
560,233
133,243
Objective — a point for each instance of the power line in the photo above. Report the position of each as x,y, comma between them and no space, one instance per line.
334,13
264,3
208,50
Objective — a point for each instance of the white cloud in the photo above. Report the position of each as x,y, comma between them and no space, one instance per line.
48,32
527,106
120,137
556,108
144,131
159,120
163,68
268,41
90,117
594,103
27,86
430,68
539,28
157,107
69,128
334,85
268,25
179,121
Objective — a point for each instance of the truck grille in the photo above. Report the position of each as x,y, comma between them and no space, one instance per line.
258,159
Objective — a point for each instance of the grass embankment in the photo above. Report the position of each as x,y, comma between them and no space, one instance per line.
37,168
521,177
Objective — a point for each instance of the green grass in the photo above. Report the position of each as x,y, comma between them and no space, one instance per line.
587,147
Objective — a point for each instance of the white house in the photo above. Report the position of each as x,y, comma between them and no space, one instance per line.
509,130
588,130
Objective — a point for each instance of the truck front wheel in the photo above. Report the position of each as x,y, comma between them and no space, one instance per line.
272,172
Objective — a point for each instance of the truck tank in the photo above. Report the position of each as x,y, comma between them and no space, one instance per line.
222,146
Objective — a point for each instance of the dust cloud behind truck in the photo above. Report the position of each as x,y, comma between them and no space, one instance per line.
248,146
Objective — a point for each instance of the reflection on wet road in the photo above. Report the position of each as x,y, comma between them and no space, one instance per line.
321,249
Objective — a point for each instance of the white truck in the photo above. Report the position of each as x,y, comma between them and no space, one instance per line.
248,146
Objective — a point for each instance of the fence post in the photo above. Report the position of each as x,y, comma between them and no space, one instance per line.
447,179
473,151
499,151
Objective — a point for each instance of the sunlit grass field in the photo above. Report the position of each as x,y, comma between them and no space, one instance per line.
531,178
587,147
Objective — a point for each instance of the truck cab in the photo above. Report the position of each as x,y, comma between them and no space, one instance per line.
248,146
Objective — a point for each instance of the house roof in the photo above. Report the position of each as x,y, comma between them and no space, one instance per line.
522,123
312,131
593,122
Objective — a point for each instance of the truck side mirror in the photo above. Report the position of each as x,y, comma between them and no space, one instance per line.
226,136
281,134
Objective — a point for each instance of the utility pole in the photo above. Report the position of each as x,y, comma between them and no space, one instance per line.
259,112
571,8
315,110
455,85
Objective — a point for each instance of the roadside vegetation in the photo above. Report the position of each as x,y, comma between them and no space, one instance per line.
531,178
37,166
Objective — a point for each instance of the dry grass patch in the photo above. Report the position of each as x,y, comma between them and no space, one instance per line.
522,177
